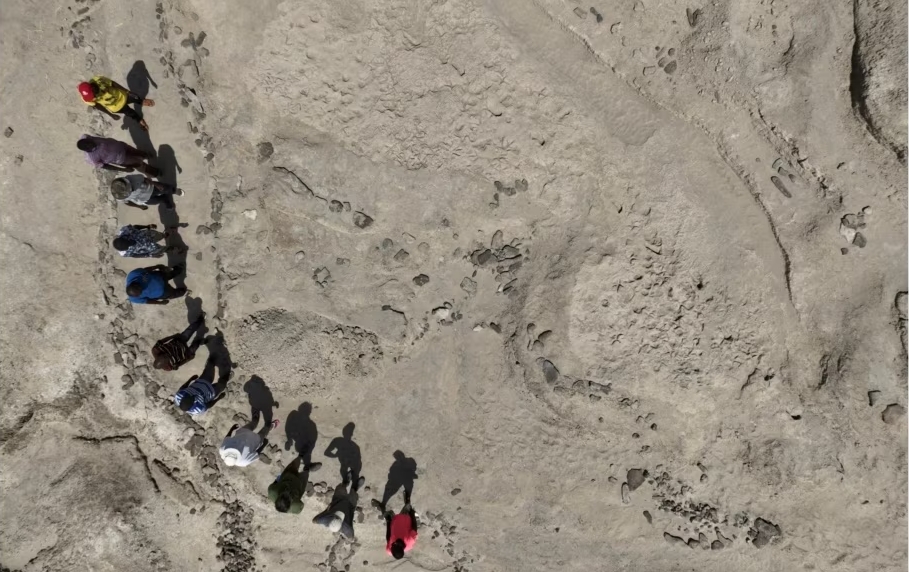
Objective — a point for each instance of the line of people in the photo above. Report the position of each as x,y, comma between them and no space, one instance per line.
242,445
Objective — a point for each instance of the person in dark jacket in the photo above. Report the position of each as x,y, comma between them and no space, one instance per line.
338,517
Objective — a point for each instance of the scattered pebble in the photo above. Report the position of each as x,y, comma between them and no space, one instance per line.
893,414
421,280
764,532
455,492
401,255
648,517
873,397
8,132
580,13
362,220
626,494
549,371
635,478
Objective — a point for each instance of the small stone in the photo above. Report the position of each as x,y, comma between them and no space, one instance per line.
8,132
671,67
716,545
626,494
266,150
635,478
455,492
401,255
549,371
251,214
300,255
648,517
693,543
387,243
342,261
893,413
580,13
469,286
421,280
498,240
873,397
362,220
764,532
484,257
671,539
335,206
859,240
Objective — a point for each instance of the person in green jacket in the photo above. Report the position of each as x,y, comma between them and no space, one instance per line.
287,490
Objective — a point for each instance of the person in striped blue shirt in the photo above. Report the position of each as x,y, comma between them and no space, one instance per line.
198,395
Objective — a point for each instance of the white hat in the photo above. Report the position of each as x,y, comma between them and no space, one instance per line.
230,456
335,524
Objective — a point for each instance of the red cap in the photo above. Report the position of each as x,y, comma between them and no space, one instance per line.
86,91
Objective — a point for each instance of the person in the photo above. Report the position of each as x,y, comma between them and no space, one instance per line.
338,517
287,490
149,285
400,529
172,352
243,448
141,241
105,93
113,155
139,191
198,395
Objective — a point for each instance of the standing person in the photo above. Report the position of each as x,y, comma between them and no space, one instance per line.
104,92
287,490
243,448
149,285
400,529
198,395
114,155
172,352
338,517
139,191
141,241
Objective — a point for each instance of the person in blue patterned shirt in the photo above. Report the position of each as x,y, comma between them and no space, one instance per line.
198,395
136,241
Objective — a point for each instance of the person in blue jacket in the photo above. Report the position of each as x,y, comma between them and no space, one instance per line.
149,285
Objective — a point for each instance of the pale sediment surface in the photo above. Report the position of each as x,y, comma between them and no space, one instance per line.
627,281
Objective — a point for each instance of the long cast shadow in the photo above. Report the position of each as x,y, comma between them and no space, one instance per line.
260,397
137,81
170,218
301,432
193,311
218,357
401,474
347,452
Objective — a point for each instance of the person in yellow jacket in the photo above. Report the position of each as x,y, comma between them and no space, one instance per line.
108,94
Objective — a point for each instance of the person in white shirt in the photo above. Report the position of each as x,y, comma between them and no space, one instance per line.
242,445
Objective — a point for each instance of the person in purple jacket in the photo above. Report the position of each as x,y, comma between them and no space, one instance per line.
113,155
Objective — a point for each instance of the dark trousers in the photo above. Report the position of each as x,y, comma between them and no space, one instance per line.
162,195
169,291
188,333
129,111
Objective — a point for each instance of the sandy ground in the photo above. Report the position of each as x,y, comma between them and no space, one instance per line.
623,285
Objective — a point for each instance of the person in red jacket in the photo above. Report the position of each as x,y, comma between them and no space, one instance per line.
400,530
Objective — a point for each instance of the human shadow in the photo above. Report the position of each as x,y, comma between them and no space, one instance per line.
138,81
301,432
260,397
170,218
193,311
218,357
401,474
347,452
